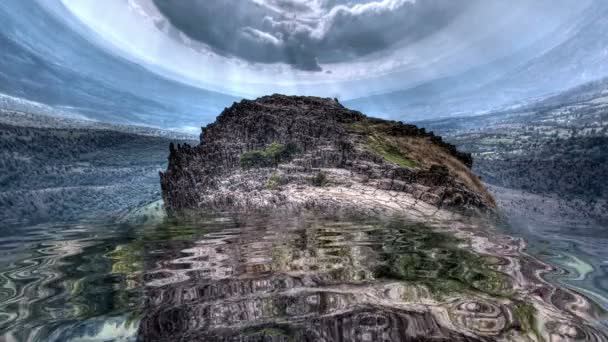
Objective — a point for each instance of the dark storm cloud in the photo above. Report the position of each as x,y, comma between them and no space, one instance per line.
304,33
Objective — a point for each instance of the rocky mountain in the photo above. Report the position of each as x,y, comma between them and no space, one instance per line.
282,152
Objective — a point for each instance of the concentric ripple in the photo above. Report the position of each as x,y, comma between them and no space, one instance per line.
480,317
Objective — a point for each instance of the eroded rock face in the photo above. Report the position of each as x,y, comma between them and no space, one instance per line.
284,152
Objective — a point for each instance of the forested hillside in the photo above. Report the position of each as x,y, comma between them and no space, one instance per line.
69,173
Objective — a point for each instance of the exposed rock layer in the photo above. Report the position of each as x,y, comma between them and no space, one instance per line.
340,160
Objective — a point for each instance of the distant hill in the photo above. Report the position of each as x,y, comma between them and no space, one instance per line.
554,147
30,116
64,169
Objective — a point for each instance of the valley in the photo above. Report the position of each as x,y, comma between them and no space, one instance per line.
554,149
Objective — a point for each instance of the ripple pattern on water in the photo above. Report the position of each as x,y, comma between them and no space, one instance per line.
265,278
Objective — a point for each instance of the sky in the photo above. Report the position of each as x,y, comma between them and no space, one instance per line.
360,51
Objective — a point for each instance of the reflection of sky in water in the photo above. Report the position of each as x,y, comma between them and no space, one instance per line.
97,330
579,250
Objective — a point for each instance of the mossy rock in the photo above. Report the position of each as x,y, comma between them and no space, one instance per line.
384,148
271,156
320,179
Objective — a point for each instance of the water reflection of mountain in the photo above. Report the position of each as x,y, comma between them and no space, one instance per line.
313,280
295,281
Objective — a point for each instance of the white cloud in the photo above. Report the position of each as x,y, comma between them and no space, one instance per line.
260,36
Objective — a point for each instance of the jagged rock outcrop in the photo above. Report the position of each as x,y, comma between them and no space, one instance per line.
287,152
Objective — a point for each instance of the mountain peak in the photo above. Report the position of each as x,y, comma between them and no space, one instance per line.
292,152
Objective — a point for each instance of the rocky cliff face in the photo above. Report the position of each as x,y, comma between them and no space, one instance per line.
284,152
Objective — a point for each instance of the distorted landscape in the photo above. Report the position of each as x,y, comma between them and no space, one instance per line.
435,170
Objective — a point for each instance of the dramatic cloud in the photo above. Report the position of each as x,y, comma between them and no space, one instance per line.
254,47
306,33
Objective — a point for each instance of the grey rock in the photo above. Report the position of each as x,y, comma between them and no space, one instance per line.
344,161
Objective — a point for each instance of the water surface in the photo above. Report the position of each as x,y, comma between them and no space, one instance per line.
271,278
579,250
